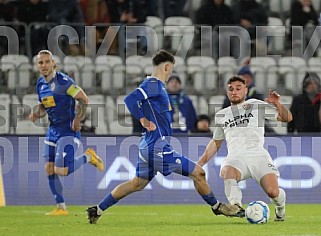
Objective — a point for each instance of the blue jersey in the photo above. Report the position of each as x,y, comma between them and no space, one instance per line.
57,96
150,100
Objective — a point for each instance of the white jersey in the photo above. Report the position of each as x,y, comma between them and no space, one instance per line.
242,126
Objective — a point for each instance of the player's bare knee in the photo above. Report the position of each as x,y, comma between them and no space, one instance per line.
229,172
138,186
61,171
198,174
201,174
49,168
273,192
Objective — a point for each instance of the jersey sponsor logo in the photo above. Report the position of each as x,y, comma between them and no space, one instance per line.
48,101
239,120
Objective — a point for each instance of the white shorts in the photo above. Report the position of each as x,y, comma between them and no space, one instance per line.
251,166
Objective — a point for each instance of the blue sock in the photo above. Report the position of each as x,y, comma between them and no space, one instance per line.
56,188
107,202
210,199
76,163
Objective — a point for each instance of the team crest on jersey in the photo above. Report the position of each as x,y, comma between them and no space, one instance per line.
52,86
247,106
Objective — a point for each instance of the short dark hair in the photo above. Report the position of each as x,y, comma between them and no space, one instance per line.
163,56
236,78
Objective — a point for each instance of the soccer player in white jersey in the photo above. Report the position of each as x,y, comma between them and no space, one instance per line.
242,125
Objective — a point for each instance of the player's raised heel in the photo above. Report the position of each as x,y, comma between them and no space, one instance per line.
57,212
229,210
95,159
92,214
279,216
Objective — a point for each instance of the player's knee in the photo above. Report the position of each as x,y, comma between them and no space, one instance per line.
273,192
49,168
61,171
137,186
199,174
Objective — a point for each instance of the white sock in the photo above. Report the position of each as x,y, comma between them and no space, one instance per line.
99,211
88,157
62,205
216,205
233,192
279,202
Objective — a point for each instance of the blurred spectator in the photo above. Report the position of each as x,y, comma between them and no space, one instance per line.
98,12
28,8
202,124
306,106
184,115
131,12
39,31
303,14
95,11
7,10
7,14
173,7
214,13
249,14
152,6
68,12
250,83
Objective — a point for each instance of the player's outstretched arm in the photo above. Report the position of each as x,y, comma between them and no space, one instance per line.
284,114
81,107
212,148
38,113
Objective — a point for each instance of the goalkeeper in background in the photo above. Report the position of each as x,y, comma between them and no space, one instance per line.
57,95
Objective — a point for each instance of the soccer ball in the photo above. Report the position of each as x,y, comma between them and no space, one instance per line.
257,212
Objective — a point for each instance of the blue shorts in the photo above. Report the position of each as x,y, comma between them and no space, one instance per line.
63,151
149,163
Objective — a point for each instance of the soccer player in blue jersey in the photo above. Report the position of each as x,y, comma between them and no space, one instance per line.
57,95
149,104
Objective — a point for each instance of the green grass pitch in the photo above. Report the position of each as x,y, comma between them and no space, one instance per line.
301,219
